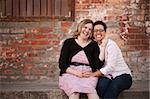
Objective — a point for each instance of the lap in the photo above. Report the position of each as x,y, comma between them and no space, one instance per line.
123,81
112,87
71,83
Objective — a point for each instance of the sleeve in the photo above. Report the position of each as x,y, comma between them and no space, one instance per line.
112,53
64,57
96,61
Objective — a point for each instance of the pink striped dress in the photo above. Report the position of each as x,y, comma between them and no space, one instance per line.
71,83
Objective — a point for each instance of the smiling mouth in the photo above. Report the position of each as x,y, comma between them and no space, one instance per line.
85,33
98,36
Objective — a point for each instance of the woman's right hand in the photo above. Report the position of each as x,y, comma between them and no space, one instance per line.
104,42
79,74
74,72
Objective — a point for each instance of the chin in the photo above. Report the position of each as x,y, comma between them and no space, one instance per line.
98,39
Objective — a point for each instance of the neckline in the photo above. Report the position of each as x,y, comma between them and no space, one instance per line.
75,40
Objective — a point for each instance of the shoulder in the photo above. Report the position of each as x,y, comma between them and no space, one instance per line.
94,42
69,40
111,43
94,45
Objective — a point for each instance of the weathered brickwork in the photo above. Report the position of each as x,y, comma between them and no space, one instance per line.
29,51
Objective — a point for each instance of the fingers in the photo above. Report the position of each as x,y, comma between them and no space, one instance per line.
86,74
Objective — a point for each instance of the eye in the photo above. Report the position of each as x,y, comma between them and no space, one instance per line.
90,29
98,30
85,27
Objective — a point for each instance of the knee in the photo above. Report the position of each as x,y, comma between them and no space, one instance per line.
74,94
101,86
100,89
115,87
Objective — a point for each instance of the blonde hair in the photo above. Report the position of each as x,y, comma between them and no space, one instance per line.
80,26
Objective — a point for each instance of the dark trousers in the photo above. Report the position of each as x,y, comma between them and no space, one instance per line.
111,88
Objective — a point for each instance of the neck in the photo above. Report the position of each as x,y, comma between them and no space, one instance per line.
99,42
82,40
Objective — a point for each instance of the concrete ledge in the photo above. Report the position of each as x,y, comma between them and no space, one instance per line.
46,90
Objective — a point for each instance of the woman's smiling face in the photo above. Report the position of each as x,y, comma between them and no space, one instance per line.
86,31
99,32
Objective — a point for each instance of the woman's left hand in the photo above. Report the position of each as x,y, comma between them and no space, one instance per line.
87,74
94,74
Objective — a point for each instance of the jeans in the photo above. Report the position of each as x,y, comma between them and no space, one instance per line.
111,88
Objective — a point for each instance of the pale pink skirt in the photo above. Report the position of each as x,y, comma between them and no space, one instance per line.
71,83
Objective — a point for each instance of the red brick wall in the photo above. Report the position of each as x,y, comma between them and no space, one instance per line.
29,51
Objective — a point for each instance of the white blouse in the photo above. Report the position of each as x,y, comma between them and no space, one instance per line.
114,61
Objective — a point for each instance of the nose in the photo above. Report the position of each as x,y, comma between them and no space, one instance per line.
87,29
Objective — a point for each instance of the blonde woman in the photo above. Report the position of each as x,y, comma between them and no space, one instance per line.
78,55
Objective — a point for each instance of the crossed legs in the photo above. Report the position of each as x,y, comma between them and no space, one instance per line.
110,89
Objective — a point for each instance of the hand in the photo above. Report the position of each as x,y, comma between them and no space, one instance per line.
87,74
104,42
79,74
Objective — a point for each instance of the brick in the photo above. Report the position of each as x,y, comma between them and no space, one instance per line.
41,42
145,41
27,69
134,42
32,54
8,72
26,42
39,36
141,36
23,47
148,30
114,1
98,1
141,59
16,30
53,36
44,30
66,24
39,47
147,24
121,24
135,53
135,30
82,1
28,35
4,30
55,42
131,36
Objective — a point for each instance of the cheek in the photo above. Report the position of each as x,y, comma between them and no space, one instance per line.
103,34
94,35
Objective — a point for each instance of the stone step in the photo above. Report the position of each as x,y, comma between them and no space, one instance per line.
47,90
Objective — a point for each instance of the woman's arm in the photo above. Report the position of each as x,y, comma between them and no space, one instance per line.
64,56
112,55
102,49
97,73
64,60
74,72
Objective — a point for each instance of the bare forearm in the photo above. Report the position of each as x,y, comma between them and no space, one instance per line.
74,72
